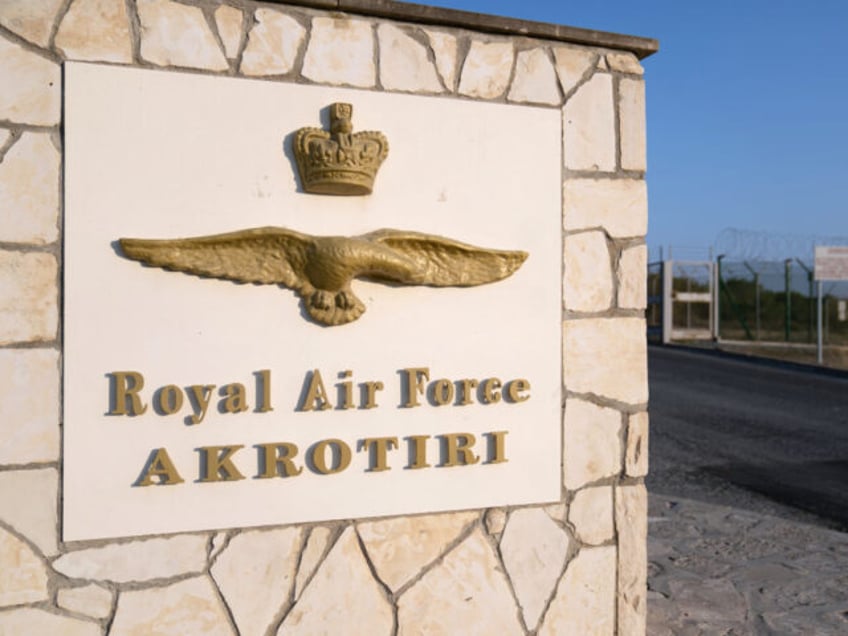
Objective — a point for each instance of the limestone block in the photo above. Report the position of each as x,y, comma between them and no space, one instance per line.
486,71
602,63
587,272
636,452
572,65
229,21
535,80
26,621
401,547
444,50
188,607
316,545
219,542
404,65
272,44
141,560
342,594
585,598
174,34
631,521
340,51
588,124
591,446
31,86
91,600
631,114
466,590
620,206
255,574
607,357
28,297
495,520
591,515
23,576
31,19
96,30
28,504
533,549
29,405
4,137
29,191
633,278
624,62
556,512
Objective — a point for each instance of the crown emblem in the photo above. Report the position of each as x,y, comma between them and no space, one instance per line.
339,161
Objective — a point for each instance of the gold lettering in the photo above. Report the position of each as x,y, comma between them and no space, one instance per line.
468,386
278,460
370,389
217,463
456,445
315,392
235,400
491,395
415,378
125,386
339,451
263,395
170,399
496,447
159,465
442,392
380,447
346,391
202,397
418,446
515,388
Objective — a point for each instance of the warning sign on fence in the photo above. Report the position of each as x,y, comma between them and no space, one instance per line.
832,263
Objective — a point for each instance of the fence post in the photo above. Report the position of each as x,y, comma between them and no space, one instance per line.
787,316
667,307
819,348
716,284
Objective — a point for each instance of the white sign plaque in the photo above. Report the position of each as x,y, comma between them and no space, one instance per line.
195,403
831,263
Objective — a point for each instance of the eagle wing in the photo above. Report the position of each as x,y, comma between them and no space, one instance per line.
443,262
269,255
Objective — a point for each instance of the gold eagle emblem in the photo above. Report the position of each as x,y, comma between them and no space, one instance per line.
321,268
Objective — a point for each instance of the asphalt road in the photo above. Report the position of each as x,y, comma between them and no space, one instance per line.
749,435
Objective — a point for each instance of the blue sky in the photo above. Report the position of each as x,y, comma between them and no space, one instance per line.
747,109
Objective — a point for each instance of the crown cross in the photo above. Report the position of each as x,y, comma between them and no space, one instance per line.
339,161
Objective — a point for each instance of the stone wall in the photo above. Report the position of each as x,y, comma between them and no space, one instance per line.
577,567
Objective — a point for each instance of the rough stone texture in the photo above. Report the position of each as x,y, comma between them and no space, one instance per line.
636,451
572,64
219,542
556,512
624,62
401,547
535,80
340,51
632,278
533,549
591,514
588,125
316,544
28,297
591,446
23,576
27,621
29,191
229,21
28,504
31,86
342,594
255,575
444,50
177,35
631,113
631,521
31,19
486,71
137,560
587,280
187,607
466,589
607,357
96,30
404,65
91,600
620,206
585,598
29,405
4,137
495,520
272,44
